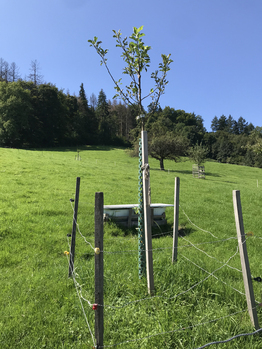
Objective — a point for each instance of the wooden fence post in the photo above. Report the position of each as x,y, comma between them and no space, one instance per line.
147,214
99,269
73,235
176,219
244,259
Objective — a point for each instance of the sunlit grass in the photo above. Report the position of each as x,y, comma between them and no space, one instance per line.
39,304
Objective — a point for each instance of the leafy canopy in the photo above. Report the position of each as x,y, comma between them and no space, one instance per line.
136,57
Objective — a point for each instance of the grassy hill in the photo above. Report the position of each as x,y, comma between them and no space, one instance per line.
39,304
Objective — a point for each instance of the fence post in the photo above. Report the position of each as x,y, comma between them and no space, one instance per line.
99,269
244,259
176,219
147,214
73,236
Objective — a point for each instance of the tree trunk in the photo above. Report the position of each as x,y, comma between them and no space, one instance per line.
162,164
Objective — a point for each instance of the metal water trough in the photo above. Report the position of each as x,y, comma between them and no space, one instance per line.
127,214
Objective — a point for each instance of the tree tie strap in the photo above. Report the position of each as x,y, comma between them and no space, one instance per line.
145,168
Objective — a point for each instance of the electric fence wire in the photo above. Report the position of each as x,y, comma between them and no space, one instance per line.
212,274
79,228
206,231
168,248
230,339
229,266
79,296
179,329
160,296
168,332
179,294
156,249
168,298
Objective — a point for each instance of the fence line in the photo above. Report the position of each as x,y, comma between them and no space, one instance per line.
135,251
179,294
167,298
206,231
230,339
80,296
79,228
240,271
212,274
182,329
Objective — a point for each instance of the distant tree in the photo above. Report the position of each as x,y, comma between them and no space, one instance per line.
164,143
230,124
255,141
15,109
83,100
220,124
214,124
93,101
167,146
87,124
14,72
242,124
35,75
102,115
82,95
198,154
223,147
48,122
5,72
2,63
73,127
249,128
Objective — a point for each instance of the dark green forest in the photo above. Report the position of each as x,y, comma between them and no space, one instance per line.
34,114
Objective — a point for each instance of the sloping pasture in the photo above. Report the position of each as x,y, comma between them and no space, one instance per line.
39,304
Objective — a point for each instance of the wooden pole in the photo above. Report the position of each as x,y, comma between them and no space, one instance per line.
73,236
147,214
244,259
176,219
99,270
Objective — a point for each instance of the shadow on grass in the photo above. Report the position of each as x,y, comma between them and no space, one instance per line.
187,172
78,148
184,231
115,229
87,256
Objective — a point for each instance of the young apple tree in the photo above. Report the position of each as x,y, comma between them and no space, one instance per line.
136,58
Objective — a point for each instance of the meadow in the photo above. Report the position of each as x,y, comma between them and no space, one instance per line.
39,304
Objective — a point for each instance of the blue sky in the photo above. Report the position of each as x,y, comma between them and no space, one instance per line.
216,46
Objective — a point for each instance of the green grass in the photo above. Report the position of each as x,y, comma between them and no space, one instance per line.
39,304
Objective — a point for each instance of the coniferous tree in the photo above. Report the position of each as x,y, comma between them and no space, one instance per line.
87,125
102,115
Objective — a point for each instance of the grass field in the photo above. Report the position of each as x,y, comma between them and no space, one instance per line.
39,304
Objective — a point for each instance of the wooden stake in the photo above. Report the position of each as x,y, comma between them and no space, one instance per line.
147,214
99,269
244,259
73,235
176,219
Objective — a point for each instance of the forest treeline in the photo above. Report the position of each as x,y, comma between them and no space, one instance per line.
37,115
